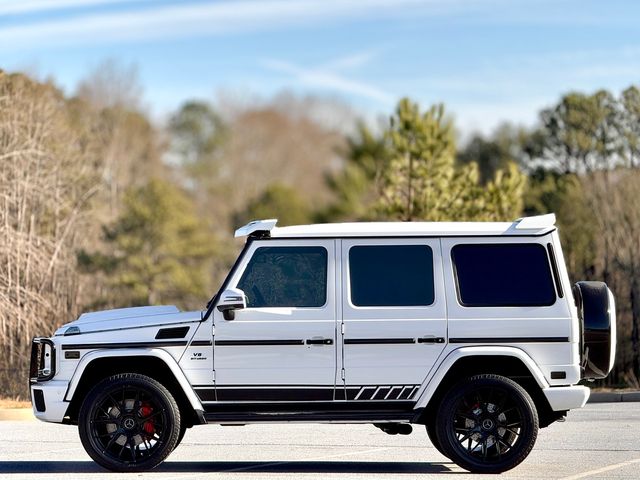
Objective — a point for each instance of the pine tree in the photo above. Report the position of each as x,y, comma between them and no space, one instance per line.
160,250
422,181
277,201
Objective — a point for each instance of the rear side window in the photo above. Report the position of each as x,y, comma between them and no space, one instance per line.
503,275
391,275
286,277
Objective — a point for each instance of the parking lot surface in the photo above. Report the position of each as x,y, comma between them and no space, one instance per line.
601,441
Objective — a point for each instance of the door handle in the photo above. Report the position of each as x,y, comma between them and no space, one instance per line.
319,341
431,340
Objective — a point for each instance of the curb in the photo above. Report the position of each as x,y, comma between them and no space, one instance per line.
610,397
16,414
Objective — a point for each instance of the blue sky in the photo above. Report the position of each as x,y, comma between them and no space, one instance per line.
487,60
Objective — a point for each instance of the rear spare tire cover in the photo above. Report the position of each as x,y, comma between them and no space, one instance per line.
596,310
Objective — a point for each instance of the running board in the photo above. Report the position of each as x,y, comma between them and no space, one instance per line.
371,416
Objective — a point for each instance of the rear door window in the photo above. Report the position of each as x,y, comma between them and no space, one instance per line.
391,275
503,275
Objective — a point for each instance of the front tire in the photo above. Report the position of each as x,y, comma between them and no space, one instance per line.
129,423
487,424
183,430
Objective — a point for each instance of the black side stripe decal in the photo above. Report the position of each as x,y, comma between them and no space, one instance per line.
88,346
386,392
302,394
234,343
243,412
509,340
201,343
305,393
377,341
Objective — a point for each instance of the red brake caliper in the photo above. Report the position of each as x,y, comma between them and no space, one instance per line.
145,411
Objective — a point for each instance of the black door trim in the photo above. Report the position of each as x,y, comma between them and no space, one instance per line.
377,341
89,346
509,340
249,343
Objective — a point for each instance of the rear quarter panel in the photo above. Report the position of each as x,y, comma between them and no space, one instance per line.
547,334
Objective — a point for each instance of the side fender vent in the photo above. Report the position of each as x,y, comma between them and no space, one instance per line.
175,332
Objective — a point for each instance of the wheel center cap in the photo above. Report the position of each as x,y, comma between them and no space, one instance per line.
487,424
128,423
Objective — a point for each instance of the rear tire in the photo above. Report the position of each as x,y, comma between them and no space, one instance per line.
129,423
431,432
487,424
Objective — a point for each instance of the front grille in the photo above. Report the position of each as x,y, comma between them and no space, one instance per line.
43,360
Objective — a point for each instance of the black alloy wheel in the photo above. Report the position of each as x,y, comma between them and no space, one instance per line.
487,424
129,423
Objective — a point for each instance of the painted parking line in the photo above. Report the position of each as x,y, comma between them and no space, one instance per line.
598,471
38,454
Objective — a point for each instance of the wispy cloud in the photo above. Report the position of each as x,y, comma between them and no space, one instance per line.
350,61
189,19
327,77
10,7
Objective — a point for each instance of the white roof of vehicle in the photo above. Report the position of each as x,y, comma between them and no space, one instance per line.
537,225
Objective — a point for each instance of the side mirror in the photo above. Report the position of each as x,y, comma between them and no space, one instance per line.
231,300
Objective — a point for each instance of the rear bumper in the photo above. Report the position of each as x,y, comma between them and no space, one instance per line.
566,398
47,399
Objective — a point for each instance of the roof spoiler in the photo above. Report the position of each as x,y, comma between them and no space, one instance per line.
263,228
537,222
257,228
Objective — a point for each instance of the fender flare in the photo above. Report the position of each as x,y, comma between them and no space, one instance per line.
167,359
431,385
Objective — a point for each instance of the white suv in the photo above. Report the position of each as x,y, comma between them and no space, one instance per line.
470,329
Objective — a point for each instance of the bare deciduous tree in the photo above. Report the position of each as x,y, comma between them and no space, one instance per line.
46,181
614,200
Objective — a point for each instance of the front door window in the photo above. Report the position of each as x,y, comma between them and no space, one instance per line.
286,277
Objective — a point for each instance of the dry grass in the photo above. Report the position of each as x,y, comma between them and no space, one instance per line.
13,403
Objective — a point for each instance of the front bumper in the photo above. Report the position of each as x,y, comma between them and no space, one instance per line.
566,398
47,399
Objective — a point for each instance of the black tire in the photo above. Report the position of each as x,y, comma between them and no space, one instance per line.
183,430
129,423
487,424
431,432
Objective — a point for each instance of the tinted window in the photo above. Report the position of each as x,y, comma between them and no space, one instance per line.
394,275
286,277
503,275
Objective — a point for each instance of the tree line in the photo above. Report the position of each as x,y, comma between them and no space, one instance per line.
101,207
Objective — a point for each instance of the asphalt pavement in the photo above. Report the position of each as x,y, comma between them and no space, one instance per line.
600,441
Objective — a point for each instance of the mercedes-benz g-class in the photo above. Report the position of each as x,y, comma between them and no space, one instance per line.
471,329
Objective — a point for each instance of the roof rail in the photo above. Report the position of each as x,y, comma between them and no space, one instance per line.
536,222
257,227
